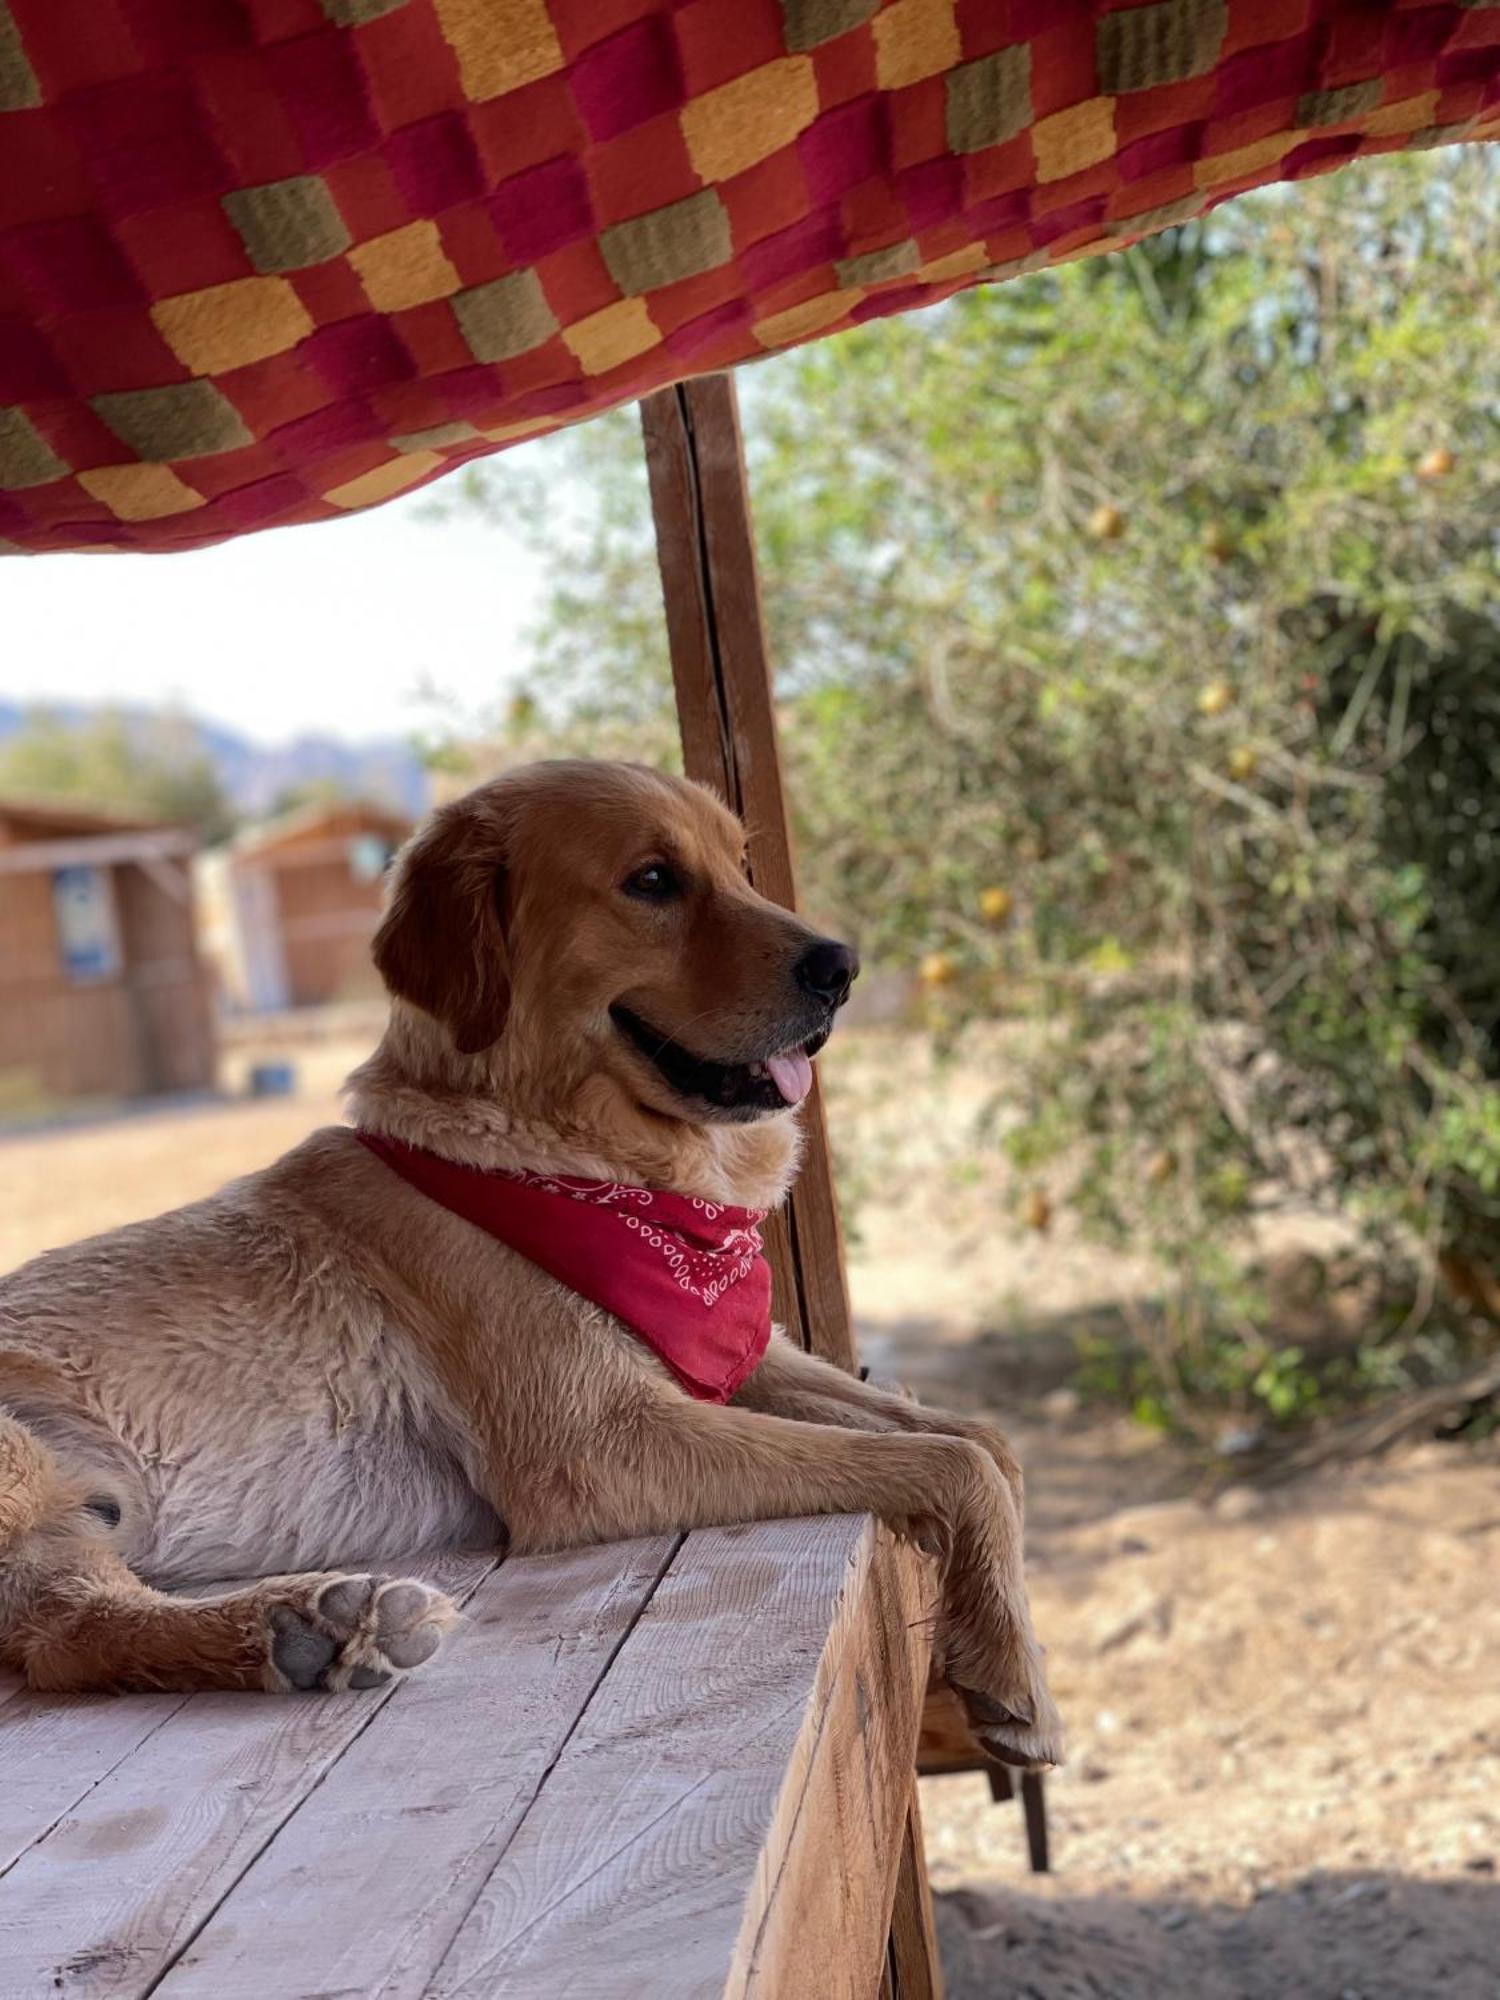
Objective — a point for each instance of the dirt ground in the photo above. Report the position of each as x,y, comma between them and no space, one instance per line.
1284,1706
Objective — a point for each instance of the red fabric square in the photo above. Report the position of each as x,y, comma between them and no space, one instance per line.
273,392
931,192
919,122
1475,66
145,144
526,126
1141,111
326,95
183,248
78,437
631,76
1351,46
554,401
1418,35
690,298
367,197
411,68
540,210
471,393
357,356
1062,67
71,264
118,348
74,44
769,196
1317,156
169,33
430,334
716,334
1266,75
330,291
819,239
28,366
577,281
41,173
578,24
716,44
843,148
873,216
248,118
280,20
899,299
642,170
1138,197
312,439
845,68
987,25
998,170
434,164
1010,209
261,502
1162,149
471,245
1257,23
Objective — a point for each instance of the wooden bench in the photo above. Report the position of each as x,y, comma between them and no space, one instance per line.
671,1767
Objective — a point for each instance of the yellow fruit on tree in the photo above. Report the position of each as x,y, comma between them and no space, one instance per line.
1215,698
1435,464
996,904
1242,761
937,969
1107,523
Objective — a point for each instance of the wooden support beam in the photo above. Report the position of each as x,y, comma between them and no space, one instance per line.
705,544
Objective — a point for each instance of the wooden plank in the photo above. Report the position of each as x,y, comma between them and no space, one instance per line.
364,1889
106,1898
54,1749
721,669
913,1969
730,1804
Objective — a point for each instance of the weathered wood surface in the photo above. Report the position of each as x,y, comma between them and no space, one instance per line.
658,1768
705,545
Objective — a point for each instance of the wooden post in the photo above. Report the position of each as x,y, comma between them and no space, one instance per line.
705,544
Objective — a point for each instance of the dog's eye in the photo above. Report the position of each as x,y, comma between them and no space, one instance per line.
655,883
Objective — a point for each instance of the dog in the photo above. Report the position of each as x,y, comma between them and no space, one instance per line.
324,1369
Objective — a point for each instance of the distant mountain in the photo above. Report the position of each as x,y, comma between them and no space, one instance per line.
386,769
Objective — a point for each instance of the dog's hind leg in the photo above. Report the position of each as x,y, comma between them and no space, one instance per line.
75,1617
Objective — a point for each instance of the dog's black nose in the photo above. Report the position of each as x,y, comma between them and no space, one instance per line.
827,970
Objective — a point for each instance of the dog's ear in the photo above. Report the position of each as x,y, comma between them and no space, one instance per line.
441,943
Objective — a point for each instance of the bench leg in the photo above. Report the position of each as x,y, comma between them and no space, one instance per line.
1034,1804
913,1971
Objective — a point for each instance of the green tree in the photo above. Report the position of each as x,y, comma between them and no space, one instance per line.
154,767
1158,596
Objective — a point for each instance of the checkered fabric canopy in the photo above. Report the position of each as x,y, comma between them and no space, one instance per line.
265,261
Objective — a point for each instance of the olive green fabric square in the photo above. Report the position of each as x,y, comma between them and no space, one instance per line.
352,13
505,317
670,243
1332,107
185,420
26,458
806,23
894,261
1138,48
19,90
989,101
288,225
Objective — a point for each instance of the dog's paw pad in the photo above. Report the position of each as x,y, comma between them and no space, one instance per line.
355,1632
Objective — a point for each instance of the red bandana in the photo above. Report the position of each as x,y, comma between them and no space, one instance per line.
688,1276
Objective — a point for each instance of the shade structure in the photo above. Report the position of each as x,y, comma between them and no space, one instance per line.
271,261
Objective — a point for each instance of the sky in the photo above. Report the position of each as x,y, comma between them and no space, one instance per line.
331,627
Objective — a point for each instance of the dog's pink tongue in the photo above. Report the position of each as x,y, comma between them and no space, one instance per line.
791,1074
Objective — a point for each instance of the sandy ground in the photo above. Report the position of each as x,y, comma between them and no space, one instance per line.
1285,1708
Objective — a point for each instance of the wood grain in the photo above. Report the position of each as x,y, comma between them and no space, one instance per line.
364,1889
102,1901
754,1717
913,1968
721,669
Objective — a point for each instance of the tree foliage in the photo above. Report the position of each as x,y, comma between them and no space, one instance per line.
1156,596
153,766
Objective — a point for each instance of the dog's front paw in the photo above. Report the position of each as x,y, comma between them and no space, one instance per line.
1029,1735
353,1632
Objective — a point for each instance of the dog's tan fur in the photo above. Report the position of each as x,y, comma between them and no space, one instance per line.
318,1369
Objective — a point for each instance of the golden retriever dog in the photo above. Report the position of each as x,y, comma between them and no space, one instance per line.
320,1370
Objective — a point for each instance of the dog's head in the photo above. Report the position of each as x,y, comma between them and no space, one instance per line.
587,920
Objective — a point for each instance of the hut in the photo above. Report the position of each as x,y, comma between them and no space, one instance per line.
102,991
293,904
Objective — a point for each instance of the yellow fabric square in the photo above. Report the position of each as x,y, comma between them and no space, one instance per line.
229,326
797,321
915,39
140,492
1217,169
751,117
1393,120
385,480
1071,140
615,334
405,267
500,44
957,264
